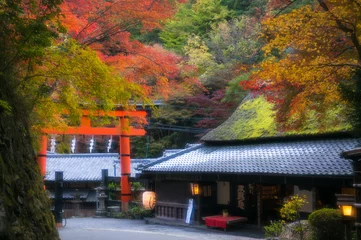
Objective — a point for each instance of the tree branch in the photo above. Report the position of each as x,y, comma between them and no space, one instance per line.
344,28
284,8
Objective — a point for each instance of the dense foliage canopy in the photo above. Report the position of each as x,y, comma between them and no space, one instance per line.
310,52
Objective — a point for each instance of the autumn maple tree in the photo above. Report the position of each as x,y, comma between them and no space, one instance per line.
311,51
109,27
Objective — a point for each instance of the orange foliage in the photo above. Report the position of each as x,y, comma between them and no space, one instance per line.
105,26
95,20
309,51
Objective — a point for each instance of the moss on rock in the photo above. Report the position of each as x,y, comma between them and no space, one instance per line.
255,119
24,205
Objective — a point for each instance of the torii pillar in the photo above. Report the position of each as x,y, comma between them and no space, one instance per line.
42,155
123,130
124,141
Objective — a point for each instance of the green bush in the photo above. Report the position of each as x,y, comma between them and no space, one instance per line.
274,229
326,224
291,212
135,212
112,190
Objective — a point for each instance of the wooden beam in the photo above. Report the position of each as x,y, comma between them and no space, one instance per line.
115,113
259,206
94,131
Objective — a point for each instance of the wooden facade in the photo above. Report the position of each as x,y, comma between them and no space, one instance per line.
258,198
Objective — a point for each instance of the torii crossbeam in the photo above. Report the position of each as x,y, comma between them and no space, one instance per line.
123,130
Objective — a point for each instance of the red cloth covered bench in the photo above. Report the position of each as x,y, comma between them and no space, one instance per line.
222,222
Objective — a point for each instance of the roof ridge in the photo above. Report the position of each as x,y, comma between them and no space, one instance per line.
163,159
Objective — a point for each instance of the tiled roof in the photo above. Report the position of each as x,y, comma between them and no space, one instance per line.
319,157
87,167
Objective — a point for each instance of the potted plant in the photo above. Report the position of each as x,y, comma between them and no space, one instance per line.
225,213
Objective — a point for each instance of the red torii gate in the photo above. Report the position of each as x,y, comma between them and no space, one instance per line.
123,130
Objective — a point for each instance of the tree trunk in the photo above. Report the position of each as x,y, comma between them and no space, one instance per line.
24,205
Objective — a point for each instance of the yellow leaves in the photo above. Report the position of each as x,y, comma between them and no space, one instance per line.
75,78
162,87
198,54
291,209
299,29
309,51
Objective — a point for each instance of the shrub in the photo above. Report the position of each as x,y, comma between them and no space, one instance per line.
326,224
291,212
274,230
135,212
112,188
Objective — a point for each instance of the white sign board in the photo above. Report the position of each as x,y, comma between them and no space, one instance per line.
189,211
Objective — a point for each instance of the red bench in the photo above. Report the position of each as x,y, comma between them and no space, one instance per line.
222,222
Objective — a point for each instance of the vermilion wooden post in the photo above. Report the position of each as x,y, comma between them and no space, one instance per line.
125,164
42,155
123,130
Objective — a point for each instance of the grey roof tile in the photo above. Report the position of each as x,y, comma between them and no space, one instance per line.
87,167
319,157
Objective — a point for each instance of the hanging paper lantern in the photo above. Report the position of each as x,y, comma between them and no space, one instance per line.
195,189
149,200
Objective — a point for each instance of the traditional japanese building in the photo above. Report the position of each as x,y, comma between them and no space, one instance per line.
250,168
82,173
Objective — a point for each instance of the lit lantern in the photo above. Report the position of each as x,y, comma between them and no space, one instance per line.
346,202
195,189
346,210
149,200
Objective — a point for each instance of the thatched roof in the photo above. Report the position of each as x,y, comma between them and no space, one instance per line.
255,119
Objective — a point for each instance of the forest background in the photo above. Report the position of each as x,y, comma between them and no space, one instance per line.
200,57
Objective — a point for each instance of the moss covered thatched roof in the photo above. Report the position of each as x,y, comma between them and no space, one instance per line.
255,119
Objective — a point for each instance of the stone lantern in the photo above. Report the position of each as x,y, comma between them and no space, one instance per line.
101,197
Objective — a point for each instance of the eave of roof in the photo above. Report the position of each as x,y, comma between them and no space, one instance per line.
317,158
354,154
163,159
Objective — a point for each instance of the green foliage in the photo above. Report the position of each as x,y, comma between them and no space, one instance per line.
197,19
291,212
291,209
246,7
23,37
136,186
27,28
135,212
73,76
236,41
5,107
275,229
351,91
235,92
326,224
112,188
198,54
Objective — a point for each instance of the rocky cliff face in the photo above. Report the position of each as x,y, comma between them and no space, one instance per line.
24,205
